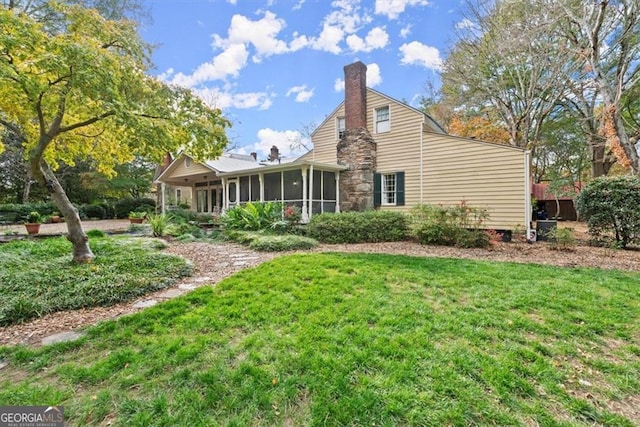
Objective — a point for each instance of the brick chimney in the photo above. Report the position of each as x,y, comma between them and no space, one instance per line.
355,95
357,149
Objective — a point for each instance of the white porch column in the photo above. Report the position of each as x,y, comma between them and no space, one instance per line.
310,191
162,196
337,192
305,207
225,194
261,180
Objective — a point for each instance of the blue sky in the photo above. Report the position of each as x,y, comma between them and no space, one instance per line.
275,67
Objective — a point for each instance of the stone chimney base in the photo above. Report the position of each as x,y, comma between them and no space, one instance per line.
357,150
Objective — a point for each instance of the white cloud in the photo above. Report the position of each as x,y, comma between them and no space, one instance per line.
223,99
374,78
416,53
329,39
377,38
233,2
404,33
228,63
298,5
393,8
166,75
346,19
262,34
466,24
301,92
282,139
298,42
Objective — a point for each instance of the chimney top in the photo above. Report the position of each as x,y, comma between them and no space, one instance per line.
355,95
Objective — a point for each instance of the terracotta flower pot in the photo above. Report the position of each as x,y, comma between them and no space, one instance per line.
136,220
32,227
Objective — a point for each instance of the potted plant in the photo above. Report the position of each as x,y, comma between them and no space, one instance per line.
55,217
137,217
32,222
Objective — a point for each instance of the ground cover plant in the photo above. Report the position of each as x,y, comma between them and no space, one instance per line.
37,276
355,339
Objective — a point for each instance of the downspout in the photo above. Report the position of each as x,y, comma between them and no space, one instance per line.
422,162
527,192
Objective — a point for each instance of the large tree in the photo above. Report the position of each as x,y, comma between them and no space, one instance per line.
503,64
83,92
605,38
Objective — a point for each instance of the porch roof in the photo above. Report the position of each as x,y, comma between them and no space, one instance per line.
284,166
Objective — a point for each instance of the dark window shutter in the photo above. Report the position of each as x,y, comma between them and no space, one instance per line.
400,188
377,189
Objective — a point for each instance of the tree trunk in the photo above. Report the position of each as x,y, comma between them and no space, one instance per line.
81,251
600,162
27,187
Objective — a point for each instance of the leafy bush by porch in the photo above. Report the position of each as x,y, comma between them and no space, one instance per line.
253,216
358,227
37,277
459,225
611,206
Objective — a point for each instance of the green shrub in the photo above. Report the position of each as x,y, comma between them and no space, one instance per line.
611,207
98,234
123,206
459,225
92,211
358,227
288,242
253,216
562,239
242,237
159,223
15,212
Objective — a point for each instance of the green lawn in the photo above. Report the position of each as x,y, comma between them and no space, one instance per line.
336,339
37,276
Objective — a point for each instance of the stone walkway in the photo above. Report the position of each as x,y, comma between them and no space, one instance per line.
212,263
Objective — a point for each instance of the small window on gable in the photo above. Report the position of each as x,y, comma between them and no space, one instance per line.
187,162
341,125
383,120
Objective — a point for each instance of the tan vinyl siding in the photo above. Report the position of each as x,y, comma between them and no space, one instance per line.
482,174
325,139
398,149
182,170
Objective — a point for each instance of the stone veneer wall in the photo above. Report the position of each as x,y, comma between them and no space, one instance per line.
357,150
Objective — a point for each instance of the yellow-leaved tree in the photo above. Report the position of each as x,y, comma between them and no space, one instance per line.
81,91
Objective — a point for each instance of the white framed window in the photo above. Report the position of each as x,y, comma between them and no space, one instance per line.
178,195
389,189
382,119
341,126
